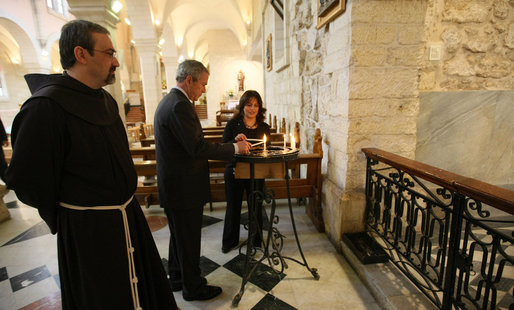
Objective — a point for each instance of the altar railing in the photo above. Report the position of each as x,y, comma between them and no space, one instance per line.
452,236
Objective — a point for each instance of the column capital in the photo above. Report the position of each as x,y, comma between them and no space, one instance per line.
173,60
96,11
146,45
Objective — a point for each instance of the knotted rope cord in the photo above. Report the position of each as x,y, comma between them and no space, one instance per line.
128,243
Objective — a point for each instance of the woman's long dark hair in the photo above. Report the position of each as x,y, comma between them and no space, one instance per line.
244,100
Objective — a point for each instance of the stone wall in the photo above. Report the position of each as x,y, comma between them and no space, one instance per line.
313,89
387,49
359,80
476,43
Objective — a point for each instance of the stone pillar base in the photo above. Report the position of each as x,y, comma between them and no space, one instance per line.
4,212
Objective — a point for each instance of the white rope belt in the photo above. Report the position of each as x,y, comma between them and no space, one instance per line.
130,248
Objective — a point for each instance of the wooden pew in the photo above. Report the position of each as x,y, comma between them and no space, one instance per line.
219,131
308,186
144,152
276,138
147,194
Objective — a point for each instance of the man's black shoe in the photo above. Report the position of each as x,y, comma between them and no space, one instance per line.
177,286
228,249
203,293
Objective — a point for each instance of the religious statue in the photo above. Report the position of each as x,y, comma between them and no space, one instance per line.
241,80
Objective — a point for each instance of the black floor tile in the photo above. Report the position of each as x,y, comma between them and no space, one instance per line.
3,274
207,266
37,230
57,280
265,221
507,302
209,220
271,302
12,204
28,278
263,276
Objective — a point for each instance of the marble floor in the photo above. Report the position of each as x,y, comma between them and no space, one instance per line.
29,277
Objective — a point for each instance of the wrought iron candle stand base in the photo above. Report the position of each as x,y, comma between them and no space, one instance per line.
272,245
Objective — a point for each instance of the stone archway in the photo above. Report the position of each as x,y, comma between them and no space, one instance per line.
29,49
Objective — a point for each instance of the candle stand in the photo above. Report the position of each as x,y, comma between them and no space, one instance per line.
266,159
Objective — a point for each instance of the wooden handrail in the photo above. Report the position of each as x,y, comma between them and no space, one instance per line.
492,195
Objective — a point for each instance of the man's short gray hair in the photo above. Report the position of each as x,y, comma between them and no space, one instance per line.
190,67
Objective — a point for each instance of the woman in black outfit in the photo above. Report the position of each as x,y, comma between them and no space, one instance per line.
247,123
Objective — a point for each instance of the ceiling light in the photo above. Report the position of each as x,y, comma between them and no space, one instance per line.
161,41
116,6
44,53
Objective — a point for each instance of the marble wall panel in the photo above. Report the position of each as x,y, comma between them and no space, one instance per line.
469,133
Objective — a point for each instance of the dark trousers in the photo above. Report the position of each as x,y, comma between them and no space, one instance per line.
184,249
3,163
234,190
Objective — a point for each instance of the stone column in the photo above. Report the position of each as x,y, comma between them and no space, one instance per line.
170,64
37,68
98,11
151,76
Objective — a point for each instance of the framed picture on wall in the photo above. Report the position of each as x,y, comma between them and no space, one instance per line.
269,56
278,5
328,10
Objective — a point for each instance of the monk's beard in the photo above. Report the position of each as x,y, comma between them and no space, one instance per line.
111,77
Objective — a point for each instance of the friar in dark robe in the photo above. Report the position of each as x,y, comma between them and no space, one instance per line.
71,161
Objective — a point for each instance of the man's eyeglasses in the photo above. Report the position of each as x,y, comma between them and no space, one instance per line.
111,53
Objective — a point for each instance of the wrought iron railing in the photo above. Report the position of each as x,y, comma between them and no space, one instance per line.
452,236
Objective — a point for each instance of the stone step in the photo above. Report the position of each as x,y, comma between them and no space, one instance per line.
391,289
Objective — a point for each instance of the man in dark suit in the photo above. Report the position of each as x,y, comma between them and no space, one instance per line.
183,172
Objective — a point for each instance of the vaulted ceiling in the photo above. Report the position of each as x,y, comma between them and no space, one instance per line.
181,25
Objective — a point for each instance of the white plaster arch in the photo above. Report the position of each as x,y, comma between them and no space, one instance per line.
169,48
217,14
29,49
202,50
53,39
55,36
140,15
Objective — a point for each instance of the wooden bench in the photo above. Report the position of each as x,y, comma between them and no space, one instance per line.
220,130
276,138
147,193
306,186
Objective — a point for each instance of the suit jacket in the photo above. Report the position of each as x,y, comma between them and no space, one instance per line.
182,153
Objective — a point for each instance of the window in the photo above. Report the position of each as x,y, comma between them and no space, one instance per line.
58,6
280,44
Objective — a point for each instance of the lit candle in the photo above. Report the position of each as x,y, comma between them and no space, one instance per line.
293,143
284,142
264,139
291,139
